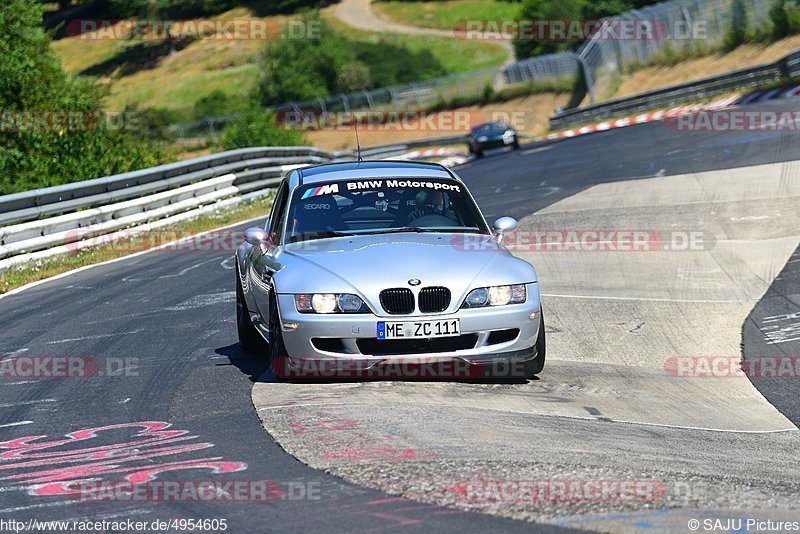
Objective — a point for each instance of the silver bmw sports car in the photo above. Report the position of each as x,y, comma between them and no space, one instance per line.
382,268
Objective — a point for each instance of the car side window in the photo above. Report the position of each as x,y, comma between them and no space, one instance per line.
276,220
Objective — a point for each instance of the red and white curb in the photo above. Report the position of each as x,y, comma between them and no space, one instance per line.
429,153
736,100
450,156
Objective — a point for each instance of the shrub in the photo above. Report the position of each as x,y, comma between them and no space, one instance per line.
32,80
737,34
354,76
216,104
785,19
258,128
305,69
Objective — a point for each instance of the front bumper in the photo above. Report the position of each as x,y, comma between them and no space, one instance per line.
490,337
495,142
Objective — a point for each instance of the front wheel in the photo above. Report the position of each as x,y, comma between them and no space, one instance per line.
534,367
249,338
278,359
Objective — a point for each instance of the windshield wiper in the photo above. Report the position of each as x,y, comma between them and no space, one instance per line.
423,229
320,234
414,229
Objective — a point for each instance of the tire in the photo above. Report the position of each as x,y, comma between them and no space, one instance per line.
478,153
249,338
516,144
277,350
535,366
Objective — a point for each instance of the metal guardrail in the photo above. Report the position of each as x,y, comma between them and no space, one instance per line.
56,220
547,67
36,203
410,97
786,67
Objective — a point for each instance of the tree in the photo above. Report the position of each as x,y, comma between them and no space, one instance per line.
302,69
597,9
548,10
36,148
354,76
258,128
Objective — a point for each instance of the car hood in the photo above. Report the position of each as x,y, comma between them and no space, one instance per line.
365,265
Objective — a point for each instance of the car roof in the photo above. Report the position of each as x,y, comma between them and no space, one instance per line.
368,169
496,124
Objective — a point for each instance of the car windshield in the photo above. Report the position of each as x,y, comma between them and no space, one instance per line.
490,127
379,205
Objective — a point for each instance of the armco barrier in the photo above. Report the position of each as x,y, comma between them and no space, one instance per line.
786,67
43,222
66,198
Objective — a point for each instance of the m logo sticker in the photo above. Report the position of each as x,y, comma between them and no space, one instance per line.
327,189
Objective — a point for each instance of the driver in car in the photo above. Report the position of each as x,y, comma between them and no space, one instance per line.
430,203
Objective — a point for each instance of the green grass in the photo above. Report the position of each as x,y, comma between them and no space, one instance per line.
446,14
454,54
490,96
140,73
19,276
143,73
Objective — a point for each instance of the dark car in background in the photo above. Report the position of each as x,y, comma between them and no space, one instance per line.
492,135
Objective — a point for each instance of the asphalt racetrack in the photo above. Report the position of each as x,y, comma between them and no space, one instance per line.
640,388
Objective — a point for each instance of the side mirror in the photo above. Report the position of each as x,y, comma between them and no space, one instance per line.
256,236
503,225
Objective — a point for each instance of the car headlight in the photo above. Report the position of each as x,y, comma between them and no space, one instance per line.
482,139
329,303
508,133
495,296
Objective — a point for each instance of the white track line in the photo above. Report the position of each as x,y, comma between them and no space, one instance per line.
42,505
96,336
23,403
18,423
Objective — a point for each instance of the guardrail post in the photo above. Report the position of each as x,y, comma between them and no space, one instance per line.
417,94
211,130
587,77
369,100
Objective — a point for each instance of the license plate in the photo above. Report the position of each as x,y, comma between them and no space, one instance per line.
418,329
